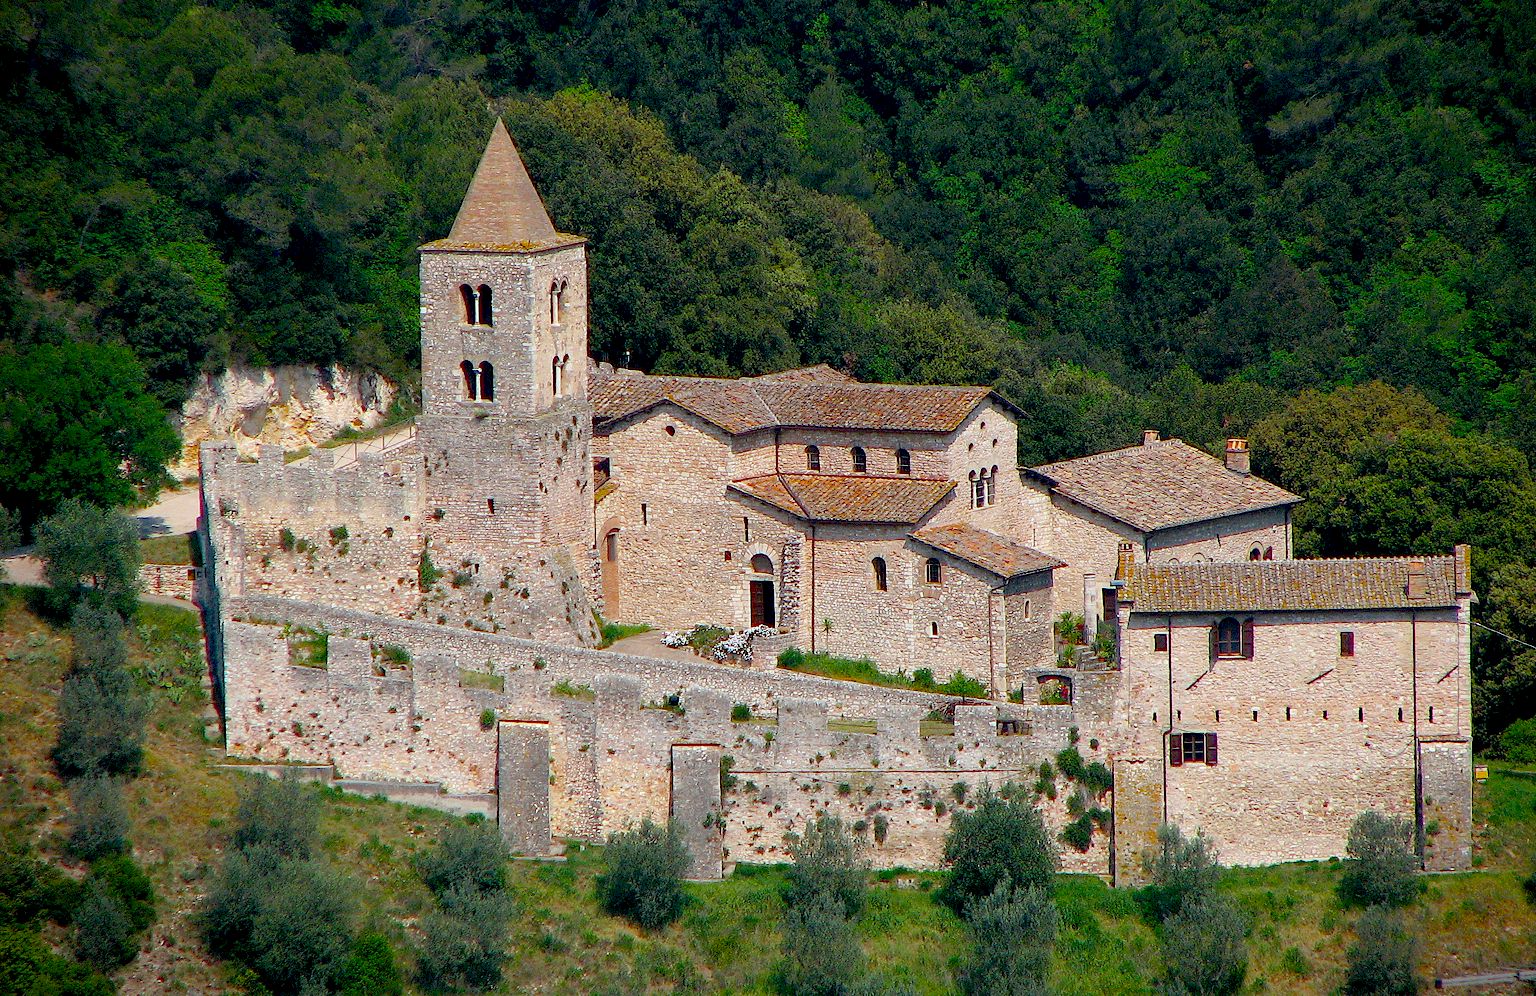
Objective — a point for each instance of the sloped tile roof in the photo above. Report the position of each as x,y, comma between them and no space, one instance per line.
1290,585
848,498
1160,484
501,208
987,550
808,398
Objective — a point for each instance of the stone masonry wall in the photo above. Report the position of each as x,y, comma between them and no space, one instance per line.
611,746
1307,739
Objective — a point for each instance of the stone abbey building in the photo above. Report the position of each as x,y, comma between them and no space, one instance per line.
428,611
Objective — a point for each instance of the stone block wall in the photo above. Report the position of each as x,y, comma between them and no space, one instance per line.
169,580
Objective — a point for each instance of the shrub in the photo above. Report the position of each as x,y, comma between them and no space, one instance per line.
962,685
469,857
92,554
281,815
287,919
487,718
370,969
1078,834
1530,888
31,889
1203,948
1070,762
922,680
741,712
1097,778
791,658
999,838
1012,932
822,956
1518,741
463,943
98,818
1381,866
427,573
642,874
338,535
881,826
826,863
1182,870
1381,962
727,780
286,539
104,937
96,633
123,877
101,709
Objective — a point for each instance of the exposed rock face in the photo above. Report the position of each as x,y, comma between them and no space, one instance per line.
293,407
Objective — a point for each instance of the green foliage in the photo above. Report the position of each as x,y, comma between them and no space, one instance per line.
1070,763
468,858
71,416
280,815
98,819
427,574
1078,834
370,968
101,708
962,685
1382,867
642,874
32,890
1204,952
10,529
613,632
1012,934
1097,778
1518,742
998,838
741,712
487,719
464,942
90,553
104,937
1181,871
822,956
28,965
826,862
1383,961
120,875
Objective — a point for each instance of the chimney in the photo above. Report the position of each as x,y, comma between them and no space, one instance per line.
1416,579
1125,561
1463,565
1237,456
1149,436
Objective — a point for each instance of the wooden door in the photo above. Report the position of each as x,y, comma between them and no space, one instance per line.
762,603
611,575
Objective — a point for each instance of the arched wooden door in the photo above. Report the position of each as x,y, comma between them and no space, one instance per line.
610,561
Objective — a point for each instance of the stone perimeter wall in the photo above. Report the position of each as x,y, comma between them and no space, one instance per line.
613,753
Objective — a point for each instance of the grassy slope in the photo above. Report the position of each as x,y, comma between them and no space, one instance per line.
727,941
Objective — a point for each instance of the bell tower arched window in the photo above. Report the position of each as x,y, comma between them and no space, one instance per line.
471,380
468,295
487,381
483,305
557,377
878,565
556,302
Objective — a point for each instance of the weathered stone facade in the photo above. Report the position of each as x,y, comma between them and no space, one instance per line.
424,611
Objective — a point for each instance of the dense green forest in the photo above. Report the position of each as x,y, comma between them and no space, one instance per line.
1212,219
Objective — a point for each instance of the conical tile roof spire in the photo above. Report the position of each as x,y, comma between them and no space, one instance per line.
501,208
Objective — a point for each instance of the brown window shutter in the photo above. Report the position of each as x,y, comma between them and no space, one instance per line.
1215,626
1210,748
1176,749
1248,638
1347,644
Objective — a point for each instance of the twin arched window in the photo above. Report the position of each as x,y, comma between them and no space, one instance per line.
557,370
557,301
479,382
477,304
984,487
878,564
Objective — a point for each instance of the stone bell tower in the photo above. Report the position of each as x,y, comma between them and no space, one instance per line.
505,427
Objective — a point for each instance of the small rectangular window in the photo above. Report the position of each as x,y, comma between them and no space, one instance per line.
490,505
1346,644
645,514
746,529
1160,642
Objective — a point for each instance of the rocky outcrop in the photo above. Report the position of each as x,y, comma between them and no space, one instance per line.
293,407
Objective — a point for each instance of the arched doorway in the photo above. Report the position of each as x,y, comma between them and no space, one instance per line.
760,590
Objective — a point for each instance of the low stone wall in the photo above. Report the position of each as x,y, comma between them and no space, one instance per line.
169,581
616,727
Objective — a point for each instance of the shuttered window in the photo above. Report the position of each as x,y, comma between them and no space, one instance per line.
1191,748
1346,644
1230,638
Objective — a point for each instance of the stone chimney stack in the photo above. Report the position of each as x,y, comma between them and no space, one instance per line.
1149,436
1463,555
1237,456
1125,561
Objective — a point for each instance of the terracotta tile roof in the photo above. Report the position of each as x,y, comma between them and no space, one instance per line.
811,398
1160,484
501,211
1290,585
987,550
848,498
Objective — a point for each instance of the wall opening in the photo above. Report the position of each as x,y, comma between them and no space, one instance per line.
813,458
487,381
860,460
878,566
483,306
903,462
